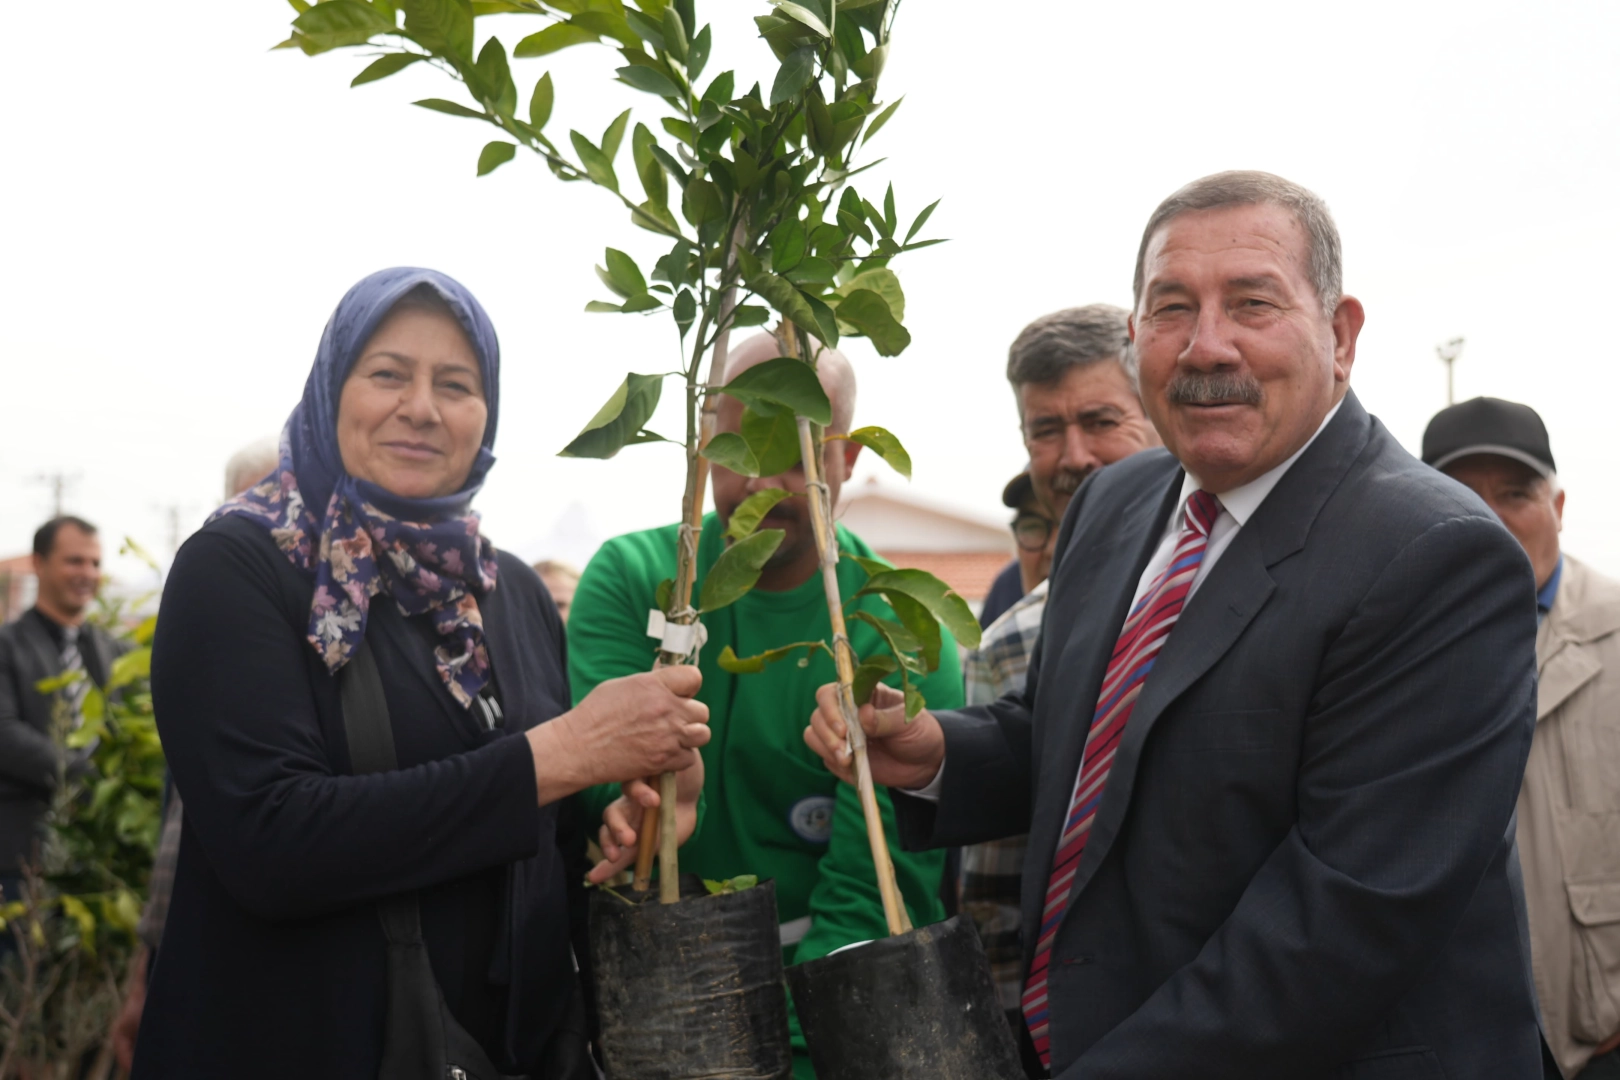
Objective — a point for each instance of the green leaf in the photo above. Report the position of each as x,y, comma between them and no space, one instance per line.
644,302
626,276
441,105
648,168
666,589
645,28
871,566
746,518
890,222
737,569
752,665
721,89
602,307
384,66
800,13
883,443
882,281
787,246
541,101
750,315
443,26
826,321
869,313
933,594
648,81
873,670
922,219
774,439
794,75
728,450
882,118
494,155
922,625
136,664
701,202
785,298
338,23
675,41
554,37
685,311
497,77
915,702
617,423
697,56
871,65
597,165
614,135
784,382
899,637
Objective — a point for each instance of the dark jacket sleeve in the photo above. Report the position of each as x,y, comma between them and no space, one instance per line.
28,756
1413,751
986,792
287,835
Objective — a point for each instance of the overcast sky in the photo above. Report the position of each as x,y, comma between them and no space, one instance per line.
183,208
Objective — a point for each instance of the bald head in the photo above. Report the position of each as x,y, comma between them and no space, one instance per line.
832,367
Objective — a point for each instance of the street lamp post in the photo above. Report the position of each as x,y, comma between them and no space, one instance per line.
1448,354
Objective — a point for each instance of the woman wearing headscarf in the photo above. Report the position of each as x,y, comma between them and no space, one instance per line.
362,543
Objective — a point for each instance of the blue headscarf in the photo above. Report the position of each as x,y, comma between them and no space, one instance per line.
358,539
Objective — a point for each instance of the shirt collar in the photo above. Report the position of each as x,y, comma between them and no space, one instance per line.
1242,501
1549,592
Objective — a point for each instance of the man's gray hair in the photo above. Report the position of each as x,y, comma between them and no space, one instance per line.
251,464
1325,261
1074,337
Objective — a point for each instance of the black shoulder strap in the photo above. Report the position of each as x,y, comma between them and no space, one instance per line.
371,749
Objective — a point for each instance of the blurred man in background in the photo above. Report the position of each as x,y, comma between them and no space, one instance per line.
50,639
1569,808
1078,409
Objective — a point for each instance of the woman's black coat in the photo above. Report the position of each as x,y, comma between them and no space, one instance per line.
272,962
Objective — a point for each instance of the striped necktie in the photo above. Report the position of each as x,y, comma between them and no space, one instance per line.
1145,630
73,661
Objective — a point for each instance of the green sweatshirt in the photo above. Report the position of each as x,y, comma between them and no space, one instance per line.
770,807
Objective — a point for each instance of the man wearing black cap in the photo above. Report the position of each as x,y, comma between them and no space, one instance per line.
1569,808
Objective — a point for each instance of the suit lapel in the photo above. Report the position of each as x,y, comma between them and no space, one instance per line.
1084,612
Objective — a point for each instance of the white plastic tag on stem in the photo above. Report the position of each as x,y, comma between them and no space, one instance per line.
682,640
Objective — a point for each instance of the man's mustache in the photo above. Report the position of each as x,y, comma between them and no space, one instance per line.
1215,388
1068,481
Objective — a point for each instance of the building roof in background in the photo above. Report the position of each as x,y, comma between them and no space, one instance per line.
893,519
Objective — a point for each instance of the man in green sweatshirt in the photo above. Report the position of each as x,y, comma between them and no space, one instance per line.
771,808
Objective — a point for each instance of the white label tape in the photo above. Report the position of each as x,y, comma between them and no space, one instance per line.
674,637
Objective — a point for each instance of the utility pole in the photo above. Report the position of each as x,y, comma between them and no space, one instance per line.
58,482
1448,354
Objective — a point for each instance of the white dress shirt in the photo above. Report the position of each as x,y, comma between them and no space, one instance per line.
1237,507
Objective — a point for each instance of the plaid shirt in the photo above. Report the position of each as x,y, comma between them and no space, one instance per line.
992,873
150,929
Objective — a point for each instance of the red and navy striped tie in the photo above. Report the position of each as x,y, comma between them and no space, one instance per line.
1145,630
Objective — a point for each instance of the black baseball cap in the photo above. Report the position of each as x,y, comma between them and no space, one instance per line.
1487,425
1018,491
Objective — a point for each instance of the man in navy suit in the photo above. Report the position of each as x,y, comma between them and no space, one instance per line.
1274,730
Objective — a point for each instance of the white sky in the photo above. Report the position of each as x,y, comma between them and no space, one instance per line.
183,209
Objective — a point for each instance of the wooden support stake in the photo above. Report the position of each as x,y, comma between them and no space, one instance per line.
659,831
894,908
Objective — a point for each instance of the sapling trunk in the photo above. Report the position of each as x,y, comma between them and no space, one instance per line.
659,831
820,499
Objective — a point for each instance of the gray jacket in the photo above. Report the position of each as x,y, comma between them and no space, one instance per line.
1569,818
31,759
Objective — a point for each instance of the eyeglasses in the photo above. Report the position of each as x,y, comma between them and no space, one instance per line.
1032,532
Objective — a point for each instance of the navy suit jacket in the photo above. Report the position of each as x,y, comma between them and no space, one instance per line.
1302,864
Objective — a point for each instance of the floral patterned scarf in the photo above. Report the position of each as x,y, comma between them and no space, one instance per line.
427,554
